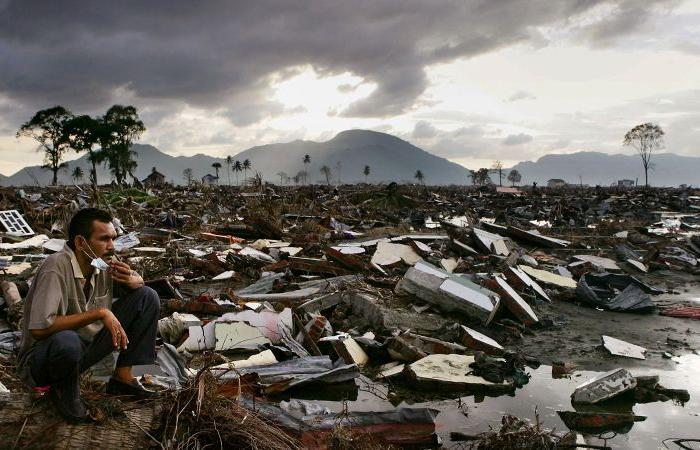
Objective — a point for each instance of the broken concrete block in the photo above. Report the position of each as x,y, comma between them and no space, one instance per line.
619,347
199,339
450,372
478,341
237,336
604,386
449,292
268,322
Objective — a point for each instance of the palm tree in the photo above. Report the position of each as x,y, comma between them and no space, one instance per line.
77,174
229,161
419,176
307,161
366,173
237,167
246,165
216,166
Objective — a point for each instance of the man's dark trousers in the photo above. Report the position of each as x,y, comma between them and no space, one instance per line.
59,359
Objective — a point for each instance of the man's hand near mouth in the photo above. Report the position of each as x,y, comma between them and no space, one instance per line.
122,273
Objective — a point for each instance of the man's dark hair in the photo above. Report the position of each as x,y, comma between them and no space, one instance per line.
81,223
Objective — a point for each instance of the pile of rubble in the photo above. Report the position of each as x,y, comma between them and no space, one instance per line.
288,291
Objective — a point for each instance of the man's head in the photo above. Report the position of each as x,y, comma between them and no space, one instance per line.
91,231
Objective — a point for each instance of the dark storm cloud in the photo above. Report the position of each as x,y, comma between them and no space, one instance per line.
223,54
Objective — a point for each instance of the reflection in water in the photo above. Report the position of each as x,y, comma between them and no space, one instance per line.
474,414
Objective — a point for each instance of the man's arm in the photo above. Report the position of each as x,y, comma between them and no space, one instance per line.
76,321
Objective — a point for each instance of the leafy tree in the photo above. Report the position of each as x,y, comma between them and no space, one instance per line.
366,173
229,161
121,126
307,161
48,128
187,175
217,166
498,168
77,174
514,177
419,176
326,171
83,133
480,177
246,166
645,138
237,168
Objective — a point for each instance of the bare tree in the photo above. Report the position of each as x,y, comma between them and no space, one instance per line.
187,175
326,171
645,138
498,168
283,177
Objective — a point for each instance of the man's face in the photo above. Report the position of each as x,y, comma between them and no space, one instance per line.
101,240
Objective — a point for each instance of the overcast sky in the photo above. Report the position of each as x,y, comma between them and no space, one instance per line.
472,81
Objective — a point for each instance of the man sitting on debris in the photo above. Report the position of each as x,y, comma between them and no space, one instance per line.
70,322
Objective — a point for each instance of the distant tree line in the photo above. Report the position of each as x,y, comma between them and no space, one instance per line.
57,131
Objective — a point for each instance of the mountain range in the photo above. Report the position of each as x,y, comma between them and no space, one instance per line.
389,159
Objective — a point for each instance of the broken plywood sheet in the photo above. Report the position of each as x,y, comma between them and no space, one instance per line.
224,275
619,347
237,336
523,281
349,250
606,264
491,242
33,242
449,264
604,386
388,253
391,369
515,303
549,277
263,358
638,265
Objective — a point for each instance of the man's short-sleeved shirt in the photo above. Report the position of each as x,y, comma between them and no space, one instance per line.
57,290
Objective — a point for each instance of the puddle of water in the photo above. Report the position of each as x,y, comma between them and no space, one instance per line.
472,415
